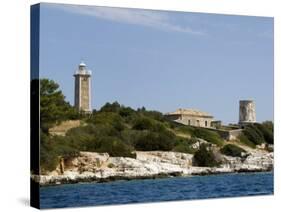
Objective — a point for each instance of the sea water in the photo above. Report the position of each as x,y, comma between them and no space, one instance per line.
156,190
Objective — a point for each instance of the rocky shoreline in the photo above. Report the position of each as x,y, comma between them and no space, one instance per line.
100,167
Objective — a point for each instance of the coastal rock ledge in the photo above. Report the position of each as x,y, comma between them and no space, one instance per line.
100,167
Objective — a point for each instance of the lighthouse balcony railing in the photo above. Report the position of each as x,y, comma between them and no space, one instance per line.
83,72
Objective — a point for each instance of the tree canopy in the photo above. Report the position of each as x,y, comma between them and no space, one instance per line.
53,106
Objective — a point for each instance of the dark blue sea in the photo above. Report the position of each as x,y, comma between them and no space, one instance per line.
155,190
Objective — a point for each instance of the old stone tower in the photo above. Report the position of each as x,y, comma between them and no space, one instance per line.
82,94
247,112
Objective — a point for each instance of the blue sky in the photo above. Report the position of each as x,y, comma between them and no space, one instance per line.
161,60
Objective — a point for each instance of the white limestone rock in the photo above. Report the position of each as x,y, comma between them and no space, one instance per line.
91,166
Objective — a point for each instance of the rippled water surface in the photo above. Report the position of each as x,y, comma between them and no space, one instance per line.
167,189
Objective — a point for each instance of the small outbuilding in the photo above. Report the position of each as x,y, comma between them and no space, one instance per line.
191,117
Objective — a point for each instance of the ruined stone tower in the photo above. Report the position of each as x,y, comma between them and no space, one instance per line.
247,111
82,94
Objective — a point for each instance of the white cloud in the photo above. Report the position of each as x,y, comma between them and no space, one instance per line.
153,19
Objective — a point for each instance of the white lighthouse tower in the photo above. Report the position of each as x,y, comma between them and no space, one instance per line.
82,93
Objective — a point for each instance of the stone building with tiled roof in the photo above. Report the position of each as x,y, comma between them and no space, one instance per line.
191,117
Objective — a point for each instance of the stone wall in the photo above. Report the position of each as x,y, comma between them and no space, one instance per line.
63,127
228,135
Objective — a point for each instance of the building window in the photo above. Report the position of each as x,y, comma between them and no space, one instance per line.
206,123
198,123
188,122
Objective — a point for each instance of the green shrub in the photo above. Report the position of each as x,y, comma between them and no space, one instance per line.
51,148
48,161
266,130
126,111
115,147
269,125
232,150
130,136
143,123
244,140
184,145
155,115
108,119
83,142
210,136
204,157
181,128
253,134
259,133
98,130
159,127
151,141
184,148
48,158
111,107
63,147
